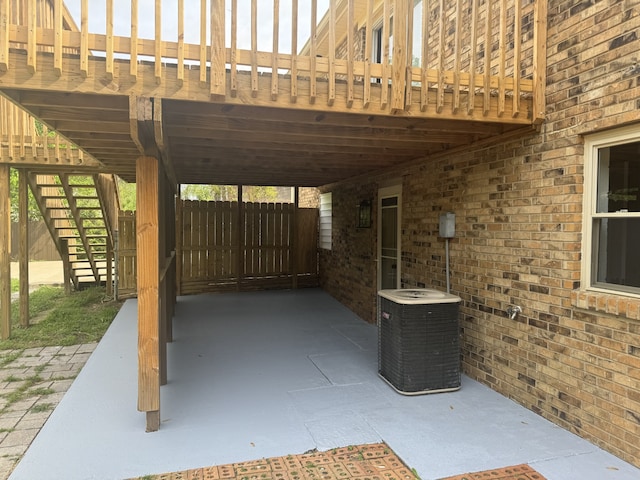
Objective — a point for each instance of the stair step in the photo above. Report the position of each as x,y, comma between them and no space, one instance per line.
48,185
86,236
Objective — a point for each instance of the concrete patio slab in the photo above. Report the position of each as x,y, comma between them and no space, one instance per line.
256,375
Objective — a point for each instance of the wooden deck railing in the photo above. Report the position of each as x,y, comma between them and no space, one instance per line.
24,141
473,58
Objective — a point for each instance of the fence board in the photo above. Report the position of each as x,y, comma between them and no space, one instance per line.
41,245
210,242
127,254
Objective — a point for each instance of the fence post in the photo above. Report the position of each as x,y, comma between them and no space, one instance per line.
23,217
66,265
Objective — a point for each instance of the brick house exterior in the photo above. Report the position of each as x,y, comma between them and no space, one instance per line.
572,356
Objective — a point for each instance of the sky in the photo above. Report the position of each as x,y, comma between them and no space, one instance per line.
146,16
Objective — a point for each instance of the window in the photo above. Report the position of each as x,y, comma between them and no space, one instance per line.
325,220
611,257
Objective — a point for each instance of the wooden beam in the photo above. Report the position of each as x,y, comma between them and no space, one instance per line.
18,77
141,125
23,218
5,265
147,236
158,132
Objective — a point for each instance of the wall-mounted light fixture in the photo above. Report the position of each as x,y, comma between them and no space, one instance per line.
364,214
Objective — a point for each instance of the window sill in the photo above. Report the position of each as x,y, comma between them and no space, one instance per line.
613,304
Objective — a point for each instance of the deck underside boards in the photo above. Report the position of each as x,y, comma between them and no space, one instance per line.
243,138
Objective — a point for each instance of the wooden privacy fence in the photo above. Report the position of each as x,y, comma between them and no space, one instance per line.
125,248
41,245
225,246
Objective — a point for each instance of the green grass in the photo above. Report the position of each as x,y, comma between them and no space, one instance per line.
81,317
15,285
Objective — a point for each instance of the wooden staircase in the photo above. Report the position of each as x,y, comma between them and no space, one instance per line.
79,211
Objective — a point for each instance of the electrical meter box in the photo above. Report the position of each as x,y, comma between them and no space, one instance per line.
448,225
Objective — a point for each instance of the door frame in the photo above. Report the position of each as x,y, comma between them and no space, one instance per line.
389,192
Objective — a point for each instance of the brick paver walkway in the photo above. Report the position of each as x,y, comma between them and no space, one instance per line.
32,383
362,462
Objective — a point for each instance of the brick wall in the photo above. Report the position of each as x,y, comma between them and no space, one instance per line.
571,356
347,271
308,197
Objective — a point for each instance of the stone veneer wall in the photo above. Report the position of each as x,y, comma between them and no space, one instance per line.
571,356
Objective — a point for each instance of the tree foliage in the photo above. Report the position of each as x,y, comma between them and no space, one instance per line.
228,193
33,210
127,195
210,193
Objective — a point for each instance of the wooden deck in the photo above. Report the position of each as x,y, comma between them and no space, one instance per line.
226,110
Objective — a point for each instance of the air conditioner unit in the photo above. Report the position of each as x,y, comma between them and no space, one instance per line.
418,340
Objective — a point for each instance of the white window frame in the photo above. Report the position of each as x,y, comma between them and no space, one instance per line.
325,229
593,143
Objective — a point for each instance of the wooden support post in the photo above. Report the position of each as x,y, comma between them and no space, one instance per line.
5,265
539,61
241,242
170,290
162,278
179,258
294,242
66,265
147,235
23,216
109,269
